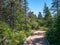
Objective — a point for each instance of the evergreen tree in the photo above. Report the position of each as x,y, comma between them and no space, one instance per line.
39,15
55,6
54,31
33,20
40,20
25,9
47,16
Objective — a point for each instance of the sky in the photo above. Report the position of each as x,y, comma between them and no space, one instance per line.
38,5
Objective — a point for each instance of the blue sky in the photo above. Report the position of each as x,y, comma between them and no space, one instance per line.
38,5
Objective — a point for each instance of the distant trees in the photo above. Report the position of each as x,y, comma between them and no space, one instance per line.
15,13
32,20
47,16
39,15
40,20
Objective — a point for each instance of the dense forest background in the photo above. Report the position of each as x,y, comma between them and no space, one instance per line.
17,22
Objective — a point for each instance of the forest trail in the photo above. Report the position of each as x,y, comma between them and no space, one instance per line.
37,38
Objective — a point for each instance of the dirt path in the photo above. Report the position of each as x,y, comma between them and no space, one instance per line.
37,38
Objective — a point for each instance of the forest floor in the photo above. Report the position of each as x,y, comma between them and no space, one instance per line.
37,38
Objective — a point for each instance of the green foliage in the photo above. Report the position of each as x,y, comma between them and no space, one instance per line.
43,28
3,27
15,19
47,16
54,30
40,15
51,33
40,20
32,20
16,37
12,37
35,24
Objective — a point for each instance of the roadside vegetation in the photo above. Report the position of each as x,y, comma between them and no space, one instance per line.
17,22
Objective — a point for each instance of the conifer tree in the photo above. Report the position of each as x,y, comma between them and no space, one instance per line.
47,16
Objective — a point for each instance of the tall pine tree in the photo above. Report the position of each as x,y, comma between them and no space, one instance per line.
47,16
